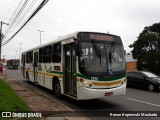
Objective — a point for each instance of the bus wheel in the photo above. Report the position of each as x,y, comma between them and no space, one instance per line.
27,78
57,89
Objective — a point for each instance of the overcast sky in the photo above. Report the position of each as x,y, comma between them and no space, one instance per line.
126,18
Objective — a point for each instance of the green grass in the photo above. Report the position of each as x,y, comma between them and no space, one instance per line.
9,101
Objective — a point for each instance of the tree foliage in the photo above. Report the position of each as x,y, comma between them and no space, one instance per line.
146,49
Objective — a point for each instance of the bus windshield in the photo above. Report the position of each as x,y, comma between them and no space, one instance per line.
106,59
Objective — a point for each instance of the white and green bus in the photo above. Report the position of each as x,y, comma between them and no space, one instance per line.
81,65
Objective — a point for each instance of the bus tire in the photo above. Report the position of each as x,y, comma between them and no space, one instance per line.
57,88
27,77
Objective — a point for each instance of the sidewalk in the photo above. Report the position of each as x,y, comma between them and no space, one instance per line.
38,102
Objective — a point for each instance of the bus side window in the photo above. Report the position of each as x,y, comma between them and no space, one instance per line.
29,57
40,55
56,53
47,54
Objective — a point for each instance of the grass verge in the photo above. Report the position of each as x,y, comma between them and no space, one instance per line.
9,101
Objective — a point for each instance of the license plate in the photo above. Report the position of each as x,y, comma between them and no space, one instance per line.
108,94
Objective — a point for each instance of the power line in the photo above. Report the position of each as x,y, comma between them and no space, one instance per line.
17,15
10,9
33,14
28,9
15,10
20,12
19,18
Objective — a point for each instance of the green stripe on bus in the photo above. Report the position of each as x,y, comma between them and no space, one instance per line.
89,77
102,78
56,72
111,78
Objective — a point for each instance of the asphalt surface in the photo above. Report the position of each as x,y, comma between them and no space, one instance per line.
136,101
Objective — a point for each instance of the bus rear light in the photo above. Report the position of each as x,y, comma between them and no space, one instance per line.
81,80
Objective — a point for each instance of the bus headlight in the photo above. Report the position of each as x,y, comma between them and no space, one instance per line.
125,80
87,84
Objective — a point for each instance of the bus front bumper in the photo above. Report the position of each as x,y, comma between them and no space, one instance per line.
88,93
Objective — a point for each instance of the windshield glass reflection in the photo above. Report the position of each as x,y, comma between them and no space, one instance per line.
101,59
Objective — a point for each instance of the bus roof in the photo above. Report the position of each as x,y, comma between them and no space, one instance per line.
62,38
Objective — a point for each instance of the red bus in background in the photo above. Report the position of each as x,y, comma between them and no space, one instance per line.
13,63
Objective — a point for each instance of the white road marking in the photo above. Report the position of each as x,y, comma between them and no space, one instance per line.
143,102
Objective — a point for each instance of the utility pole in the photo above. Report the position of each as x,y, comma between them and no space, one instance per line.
1,36
40,35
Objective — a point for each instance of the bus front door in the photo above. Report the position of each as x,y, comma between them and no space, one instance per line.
70,83
35,67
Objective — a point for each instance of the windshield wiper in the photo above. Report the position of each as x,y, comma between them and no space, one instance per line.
97,51
111,52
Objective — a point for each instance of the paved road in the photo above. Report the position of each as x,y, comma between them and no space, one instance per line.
135,100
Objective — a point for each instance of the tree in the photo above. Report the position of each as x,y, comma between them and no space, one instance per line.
146,49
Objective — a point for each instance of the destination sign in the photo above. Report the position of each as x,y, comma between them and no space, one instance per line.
100,37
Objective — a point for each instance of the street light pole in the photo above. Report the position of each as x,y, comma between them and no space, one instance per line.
16,54
40,35
1,36
20,51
